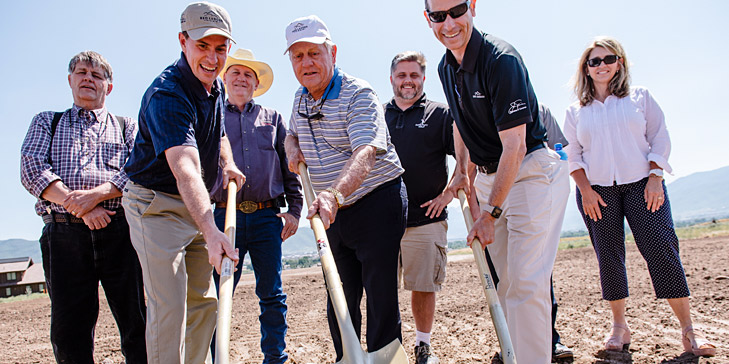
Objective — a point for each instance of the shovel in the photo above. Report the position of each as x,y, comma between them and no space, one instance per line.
392,353
497,313
225,291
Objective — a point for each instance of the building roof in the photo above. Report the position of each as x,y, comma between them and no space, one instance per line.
33,275
15,264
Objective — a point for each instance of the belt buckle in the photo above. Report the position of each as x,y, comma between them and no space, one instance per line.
248,207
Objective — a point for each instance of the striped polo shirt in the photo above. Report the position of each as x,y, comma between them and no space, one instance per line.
348,116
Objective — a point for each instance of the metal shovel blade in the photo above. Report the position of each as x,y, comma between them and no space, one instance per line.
352,353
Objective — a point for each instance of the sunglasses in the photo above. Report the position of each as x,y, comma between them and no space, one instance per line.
609,59
454,12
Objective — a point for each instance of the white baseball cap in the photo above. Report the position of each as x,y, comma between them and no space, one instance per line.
307,29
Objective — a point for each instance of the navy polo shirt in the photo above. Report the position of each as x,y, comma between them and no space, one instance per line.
423,136
490,92
177,110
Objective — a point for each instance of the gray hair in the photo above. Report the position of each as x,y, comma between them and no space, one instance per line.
94,59
409,56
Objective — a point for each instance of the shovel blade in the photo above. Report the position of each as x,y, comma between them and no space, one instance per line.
392,353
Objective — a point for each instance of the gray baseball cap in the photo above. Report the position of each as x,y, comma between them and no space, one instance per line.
202,19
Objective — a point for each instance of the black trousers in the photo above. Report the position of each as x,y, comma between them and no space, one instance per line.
75,260
365,243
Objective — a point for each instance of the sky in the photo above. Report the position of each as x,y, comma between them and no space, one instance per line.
675,48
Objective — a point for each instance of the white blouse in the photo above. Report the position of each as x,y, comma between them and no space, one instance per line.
615,141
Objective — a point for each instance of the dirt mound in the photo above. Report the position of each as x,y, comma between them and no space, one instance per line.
463,330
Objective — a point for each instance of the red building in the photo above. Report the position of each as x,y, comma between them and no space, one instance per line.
20,276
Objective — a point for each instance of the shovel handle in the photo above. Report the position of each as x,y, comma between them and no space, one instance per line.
225,292
352,350
497,313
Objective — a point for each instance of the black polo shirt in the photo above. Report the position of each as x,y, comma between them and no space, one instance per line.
177,110
423,136
490,92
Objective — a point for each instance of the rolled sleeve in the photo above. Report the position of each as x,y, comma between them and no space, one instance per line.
36,173
656,132
574,148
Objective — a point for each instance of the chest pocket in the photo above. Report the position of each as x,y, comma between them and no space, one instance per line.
265,136
113,155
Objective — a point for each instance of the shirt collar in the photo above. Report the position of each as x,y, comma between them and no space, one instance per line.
90,115
193,82
247,108
420,103
473,48
335,85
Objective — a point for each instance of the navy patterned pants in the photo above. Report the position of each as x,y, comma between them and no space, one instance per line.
654,236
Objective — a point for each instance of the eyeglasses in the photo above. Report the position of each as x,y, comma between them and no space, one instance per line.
454,12
609,59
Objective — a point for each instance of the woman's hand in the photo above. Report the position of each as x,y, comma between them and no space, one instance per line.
591,202
653,194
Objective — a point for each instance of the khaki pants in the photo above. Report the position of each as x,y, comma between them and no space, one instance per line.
524,249
181,299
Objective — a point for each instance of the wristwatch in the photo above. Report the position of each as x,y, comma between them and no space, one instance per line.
337,196
494,211
656,172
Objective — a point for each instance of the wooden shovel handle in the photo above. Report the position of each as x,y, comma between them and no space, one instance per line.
225,292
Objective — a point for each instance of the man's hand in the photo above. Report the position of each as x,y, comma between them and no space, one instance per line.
326,206
80,202
98,218
218,246
291,224
459,181
483,229
231,172
293,153
436,205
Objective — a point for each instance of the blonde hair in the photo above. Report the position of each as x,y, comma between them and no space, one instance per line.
618,86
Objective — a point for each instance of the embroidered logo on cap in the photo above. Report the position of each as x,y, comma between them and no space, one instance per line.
299,27
211,16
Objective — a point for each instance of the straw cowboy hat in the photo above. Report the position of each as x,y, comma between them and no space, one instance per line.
244,57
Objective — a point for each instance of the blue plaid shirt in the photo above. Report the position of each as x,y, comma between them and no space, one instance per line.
87,150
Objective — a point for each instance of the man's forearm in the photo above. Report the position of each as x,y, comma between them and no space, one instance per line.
226,152
56,192
356,170
185,165
514,150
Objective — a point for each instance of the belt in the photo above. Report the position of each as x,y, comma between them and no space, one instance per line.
250,207
491,167
70,219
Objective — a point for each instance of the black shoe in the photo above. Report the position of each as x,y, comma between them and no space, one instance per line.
561,352
423,355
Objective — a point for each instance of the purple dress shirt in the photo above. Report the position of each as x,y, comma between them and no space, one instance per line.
256,137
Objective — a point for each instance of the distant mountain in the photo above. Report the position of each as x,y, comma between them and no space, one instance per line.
16,248
701,195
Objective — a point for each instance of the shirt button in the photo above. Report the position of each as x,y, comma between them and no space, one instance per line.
246,149
248,167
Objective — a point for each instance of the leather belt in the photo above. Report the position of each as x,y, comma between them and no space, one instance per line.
250,207
70,219
488,168
491,167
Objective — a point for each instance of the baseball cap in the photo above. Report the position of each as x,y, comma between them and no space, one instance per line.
202,19
307,29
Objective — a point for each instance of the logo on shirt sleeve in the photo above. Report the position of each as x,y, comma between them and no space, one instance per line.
517,105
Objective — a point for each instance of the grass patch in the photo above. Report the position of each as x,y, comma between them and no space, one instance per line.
580,239
23,297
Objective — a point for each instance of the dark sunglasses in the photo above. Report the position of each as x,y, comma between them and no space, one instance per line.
609,59
454,12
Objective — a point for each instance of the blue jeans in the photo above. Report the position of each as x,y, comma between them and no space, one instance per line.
75,260
259,234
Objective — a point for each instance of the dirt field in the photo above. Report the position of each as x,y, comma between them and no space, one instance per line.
463,331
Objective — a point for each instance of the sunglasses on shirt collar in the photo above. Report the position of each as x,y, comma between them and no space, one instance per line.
609,59
455,12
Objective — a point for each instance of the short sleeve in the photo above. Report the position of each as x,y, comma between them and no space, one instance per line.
170,122
507,82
